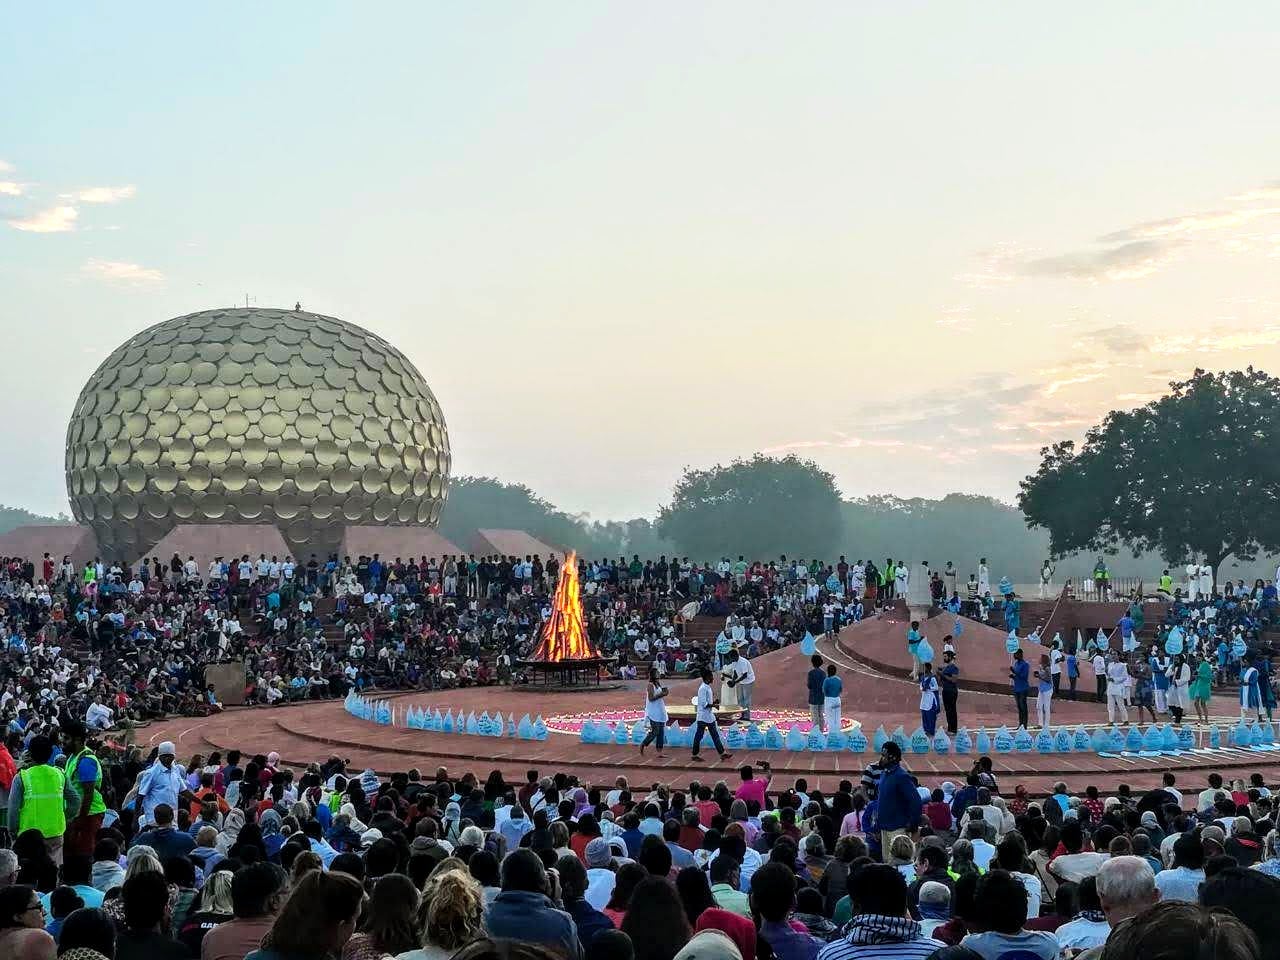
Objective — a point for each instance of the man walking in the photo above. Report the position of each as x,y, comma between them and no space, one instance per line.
705,717
947,677
1020,674
1117,681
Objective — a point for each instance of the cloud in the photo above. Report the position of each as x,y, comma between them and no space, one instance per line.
1118,338
1190,223
1218,342
6,167
54,220
840,442
121,273
8,188
1129,261
1024,447
106,194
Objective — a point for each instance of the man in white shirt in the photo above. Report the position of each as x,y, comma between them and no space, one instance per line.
746,684
984,577
705,717
1117,683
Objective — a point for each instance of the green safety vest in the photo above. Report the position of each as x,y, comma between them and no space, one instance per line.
90,575
887,576
1166,583
96,805
43,806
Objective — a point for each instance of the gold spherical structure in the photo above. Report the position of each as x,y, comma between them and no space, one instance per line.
252,415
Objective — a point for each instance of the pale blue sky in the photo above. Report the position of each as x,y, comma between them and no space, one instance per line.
914,241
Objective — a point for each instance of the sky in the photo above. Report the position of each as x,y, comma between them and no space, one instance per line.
913,242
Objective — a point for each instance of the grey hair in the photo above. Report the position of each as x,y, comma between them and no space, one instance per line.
1126,880
9,862
1270,846
813,845
931,891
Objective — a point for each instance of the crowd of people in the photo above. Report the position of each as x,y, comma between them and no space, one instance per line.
110,856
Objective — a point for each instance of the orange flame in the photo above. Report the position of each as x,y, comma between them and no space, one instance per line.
564,637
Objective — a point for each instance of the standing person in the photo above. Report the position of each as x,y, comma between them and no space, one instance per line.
38,798
815,680
1044,692
655,712
949,579
1046,580
929,700
1202,689
913,648
728,680
1250,697
161,782
1100,675
984,577
1073,674
1055,665
1117,684
1160,666
746,682
898,803
1020,673
705,717
832,687
84,777
1179,677
948,678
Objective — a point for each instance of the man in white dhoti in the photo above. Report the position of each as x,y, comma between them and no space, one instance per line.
901,577
1117,683
984,577
1206,580
1193,581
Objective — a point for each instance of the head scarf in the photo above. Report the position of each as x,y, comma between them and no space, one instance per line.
269,822
349,811
580,802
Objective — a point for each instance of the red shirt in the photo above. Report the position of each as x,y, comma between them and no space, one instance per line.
707,809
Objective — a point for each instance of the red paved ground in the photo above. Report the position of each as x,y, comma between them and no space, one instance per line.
309,732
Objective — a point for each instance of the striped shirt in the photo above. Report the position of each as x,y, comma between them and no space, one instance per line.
875,937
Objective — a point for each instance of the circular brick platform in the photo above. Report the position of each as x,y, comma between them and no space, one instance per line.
877,692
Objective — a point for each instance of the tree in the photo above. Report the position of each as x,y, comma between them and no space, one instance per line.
484,502
1193,474
757,508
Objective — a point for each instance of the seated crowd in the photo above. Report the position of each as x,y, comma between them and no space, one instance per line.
130,857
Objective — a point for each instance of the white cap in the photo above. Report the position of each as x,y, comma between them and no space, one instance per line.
168,749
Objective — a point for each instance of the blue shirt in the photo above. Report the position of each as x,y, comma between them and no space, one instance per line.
1021,676
789,944
832,686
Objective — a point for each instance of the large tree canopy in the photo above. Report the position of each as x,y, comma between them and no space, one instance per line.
760,507
1192,475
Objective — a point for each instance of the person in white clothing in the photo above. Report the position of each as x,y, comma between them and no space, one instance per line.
1046,580
746,683
984,577
1193,582
1206,581
705,718
655,712
1117,684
